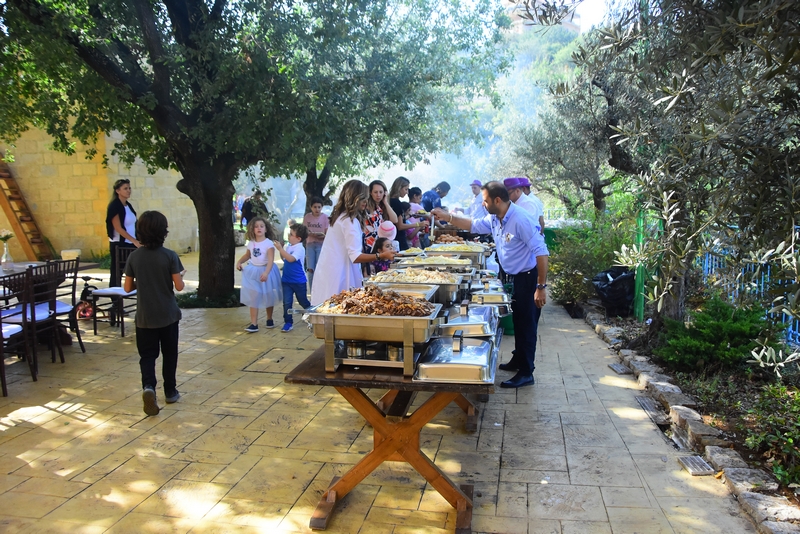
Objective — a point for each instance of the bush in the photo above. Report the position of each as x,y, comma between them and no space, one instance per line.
774,431
581,253
191,300
719,335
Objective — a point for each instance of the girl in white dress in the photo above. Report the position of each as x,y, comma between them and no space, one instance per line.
261,279
342,249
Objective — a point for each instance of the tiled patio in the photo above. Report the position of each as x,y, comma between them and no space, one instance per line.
244,452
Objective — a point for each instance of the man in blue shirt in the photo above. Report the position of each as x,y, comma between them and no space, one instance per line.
433,198
523,254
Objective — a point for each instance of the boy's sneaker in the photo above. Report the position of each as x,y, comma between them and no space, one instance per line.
172,399
270,323
150,402
287,327
253,328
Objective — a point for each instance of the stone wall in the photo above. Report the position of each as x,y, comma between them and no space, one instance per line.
68,195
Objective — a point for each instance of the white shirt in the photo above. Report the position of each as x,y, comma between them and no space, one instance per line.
336,271
525,202
258,251
129,224
538,202
476,209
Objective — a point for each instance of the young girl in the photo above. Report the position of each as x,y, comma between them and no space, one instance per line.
261,279
382,244
154,271
317,224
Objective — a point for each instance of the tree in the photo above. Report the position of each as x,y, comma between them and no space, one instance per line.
706,114
211,88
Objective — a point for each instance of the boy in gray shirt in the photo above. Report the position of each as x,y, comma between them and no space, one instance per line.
153,271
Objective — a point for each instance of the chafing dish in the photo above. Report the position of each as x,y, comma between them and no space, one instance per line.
488,286
407,330
443,293
459,359
438,261
420,291
490,297
474,321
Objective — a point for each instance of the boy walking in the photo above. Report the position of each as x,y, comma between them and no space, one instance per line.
154,271
293,278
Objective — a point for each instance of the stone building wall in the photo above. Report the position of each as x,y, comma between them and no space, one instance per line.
68,195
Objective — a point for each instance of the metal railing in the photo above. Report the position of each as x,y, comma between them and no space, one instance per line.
734,287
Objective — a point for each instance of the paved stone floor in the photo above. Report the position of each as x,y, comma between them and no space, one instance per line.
243,452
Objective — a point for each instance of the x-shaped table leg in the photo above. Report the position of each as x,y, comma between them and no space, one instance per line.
393,441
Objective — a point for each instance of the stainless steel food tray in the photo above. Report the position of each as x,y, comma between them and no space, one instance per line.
411,263
475,363
480,321
446,293
477,257
490,297
388,328
420,291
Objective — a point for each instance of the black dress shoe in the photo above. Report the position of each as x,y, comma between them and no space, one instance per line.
508,367
518,381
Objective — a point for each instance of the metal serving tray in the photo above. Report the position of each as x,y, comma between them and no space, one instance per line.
480,321
420,291
477,257
475,363
446,294
490,297
388,328
411,263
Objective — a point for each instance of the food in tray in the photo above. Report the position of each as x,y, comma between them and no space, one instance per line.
373,300
446,238
439,260
412,250
415,276
456,247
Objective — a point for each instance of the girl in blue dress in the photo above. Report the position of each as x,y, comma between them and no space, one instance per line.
261,279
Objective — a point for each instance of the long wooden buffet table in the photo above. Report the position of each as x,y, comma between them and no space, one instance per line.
396,431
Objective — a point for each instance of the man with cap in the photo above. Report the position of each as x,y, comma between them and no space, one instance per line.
526,188
523,254
514,188
476,209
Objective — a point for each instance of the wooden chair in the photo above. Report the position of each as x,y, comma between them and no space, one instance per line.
117,295
13,313
66,276
42,311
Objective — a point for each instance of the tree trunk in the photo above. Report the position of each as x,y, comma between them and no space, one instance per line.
315,184
598,197
211,190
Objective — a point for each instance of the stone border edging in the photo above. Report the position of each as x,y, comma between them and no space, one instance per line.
771,514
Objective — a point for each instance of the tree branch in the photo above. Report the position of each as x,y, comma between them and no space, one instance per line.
155,49
134,84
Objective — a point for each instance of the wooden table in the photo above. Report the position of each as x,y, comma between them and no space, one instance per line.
396,433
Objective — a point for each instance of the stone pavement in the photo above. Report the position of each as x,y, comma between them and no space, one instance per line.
243,452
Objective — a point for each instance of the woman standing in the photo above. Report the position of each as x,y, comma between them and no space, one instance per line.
378,210
342,248
120,225
400,189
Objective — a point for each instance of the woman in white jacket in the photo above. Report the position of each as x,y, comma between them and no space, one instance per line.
342,249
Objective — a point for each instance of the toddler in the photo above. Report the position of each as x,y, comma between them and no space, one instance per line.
294,278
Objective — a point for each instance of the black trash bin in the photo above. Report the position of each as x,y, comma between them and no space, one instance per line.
616,288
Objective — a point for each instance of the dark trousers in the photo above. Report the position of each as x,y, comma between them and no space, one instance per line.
289,291
116,278
149,341
526,321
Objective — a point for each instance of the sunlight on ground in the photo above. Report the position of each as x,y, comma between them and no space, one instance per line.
618,382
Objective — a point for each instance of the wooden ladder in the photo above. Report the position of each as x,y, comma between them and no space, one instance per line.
20,217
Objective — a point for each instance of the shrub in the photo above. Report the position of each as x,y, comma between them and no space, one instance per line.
774,431
191,300
719,335
582,252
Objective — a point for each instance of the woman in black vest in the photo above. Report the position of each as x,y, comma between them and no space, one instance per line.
120,225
